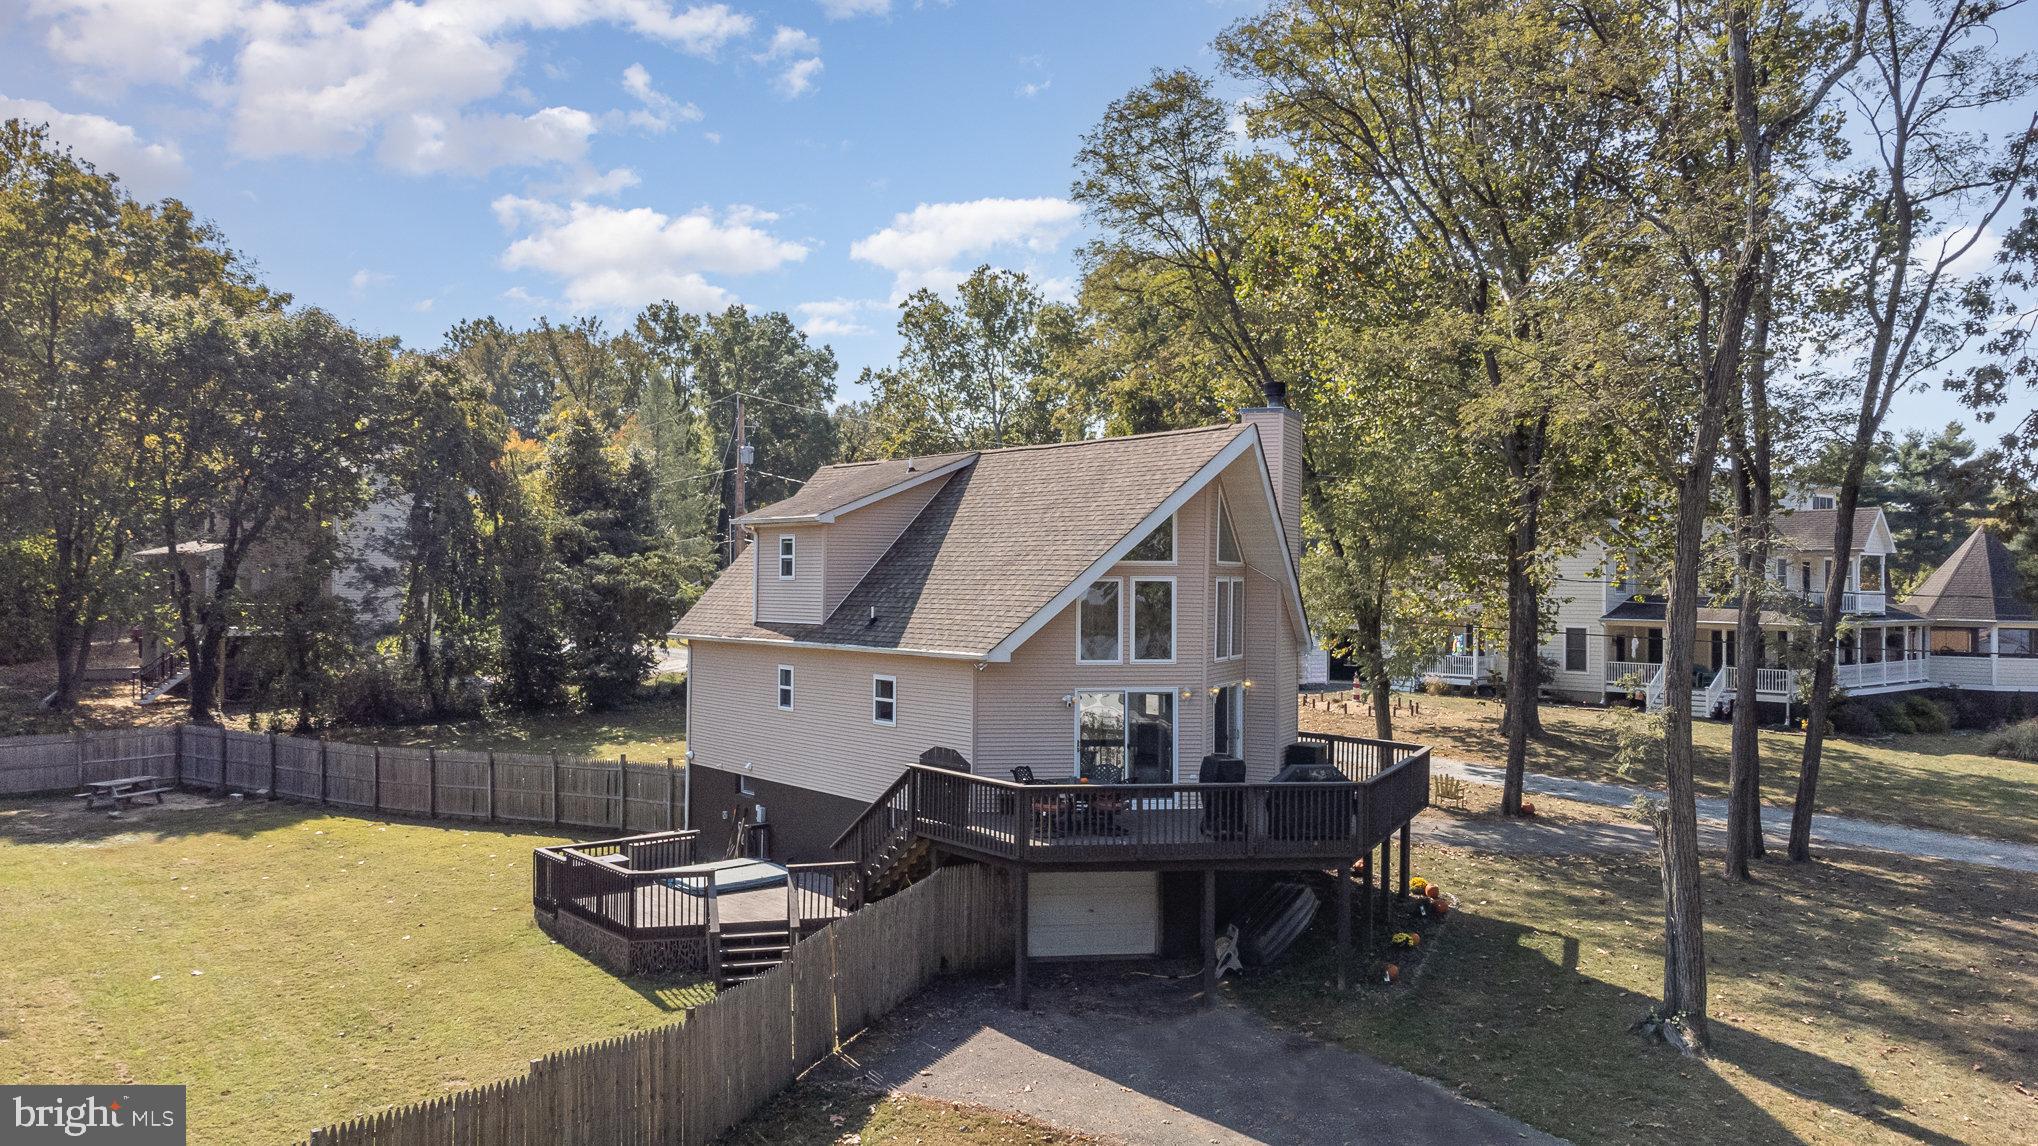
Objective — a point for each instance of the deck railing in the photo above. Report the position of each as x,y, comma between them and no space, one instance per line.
1095,824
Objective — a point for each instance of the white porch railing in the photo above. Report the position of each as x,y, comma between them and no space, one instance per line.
1618,671
1652,697
1910,669
1469,667
1775,682
1859,603
1705,703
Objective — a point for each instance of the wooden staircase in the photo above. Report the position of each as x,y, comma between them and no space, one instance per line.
749,950
884,845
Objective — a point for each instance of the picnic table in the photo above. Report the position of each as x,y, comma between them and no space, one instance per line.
125,790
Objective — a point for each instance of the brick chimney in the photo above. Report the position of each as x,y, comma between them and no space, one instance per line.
1280,431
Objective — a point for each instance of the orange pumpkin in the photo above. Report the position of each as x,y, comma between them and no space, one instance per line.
1433,891
1393,972
1527,809
1442,908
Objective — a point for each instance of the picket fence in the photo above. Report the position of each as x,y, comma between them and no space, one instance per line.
687,1082
432,783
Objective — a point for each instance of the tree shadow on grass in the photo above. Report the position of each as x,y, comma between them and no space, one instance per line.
59,820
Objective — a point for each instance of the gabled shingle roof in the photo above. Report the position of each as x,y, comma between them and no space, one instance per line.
1812,529
1978,583
833,487
1006,534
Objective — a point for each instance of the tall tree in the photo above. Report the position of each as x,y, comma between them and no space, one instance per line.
511,364
1405,101
785,384
970,373
1905,217
260,424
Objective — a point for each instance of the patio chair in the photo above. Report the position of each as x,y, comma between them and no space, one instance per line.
1448,790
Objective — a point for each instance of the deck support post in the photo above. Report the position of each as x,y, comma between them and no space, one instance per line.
1386,866
272,765
222,750
1344,925
1210,937
1019,997
1404,861
1366,905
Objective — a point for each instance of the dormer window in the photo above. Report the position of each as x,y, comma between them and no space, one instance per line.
785,557
1823,501
1158,546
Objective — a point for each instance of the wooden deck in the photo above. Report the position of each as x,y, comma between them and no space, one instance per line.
646,888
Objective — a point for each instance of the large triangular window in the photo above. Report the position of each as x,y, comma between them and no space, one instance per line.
1156,546
1227,541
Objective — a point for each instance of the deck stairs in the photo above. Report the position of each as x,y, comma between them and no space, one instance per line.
903,859
749,951
165,686
1705,701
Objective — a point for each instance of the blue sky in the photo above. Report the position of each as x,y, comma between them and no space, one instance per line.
406,165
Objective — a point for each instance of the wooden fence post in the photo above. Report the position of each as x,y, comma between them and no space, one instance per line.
272,765
222,754
378,777
491,787
78,756
177,755
321,770
623,791
555,789
432,782
671,799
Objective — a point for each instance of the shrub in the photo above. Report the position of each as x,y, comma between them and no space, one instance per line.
1892,716
2017,742
372,692
1435,687
1926,715
1853,718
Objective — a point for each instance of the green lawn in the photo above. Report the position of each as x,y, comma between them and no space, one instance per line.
1862,999
808,1113
290,968
1941,782
647,731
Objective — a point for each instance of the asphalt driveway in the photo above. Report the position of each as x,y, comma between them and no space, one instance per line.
1110,1051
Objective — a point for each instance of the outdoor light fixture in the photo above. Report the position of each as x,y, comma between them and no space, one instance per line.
1069,699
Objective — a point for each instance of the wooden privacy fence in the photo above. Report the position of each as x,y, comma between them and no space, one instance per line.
509,787
685,1083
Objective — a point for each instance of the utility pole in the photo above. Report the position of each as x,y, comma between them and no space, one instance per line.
742,479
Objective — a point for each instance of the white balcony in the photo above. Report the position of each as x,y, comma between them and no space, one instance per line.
1621,674
1859,603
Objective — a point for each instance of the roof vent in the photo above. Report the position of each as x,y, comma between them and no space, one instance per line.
873,614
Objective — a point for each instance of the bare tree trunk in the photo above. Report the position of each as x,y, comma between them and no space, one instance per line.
1373,656
1753,502
1820,704
1524,451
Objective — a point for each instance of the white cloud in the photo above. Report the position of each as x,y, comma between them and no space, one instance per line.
330,78
846,9
618,258
515,211
836,317
659,111
921,247
114,148
1030,88
424,305
359,282
804,51
1977,259
798,77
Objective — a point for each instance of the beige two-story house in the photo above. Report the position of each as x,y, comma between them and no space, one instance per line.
1110,610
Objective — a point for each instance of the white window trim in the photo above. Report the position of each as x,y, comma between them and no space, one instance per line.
1174,544
1174,622
1565,638
1217,536
1118,653
744,787
1223,628
892,700
785,688
787,545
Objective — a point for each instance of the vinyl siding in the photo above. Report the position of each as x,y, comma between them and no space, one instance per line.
1580,598
828,741
857,539
364,578
1022,719
798,601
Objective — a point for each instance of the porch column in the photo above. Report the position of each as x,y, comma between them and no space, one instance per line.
1404,861
1019,938
1386,867
1210,939
1344,924
1366,908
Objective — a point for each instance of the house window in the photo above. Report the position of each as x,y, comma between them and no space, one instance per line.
1227,541
2013,642
1153,618
1783,572
744,787
1229,632
1228,721
1574,650
785,557
785,687
1158,546
1958,642
1097,620
884,700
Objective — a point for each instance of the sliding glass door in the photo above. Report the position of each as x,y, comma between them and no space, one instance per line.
1126,737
